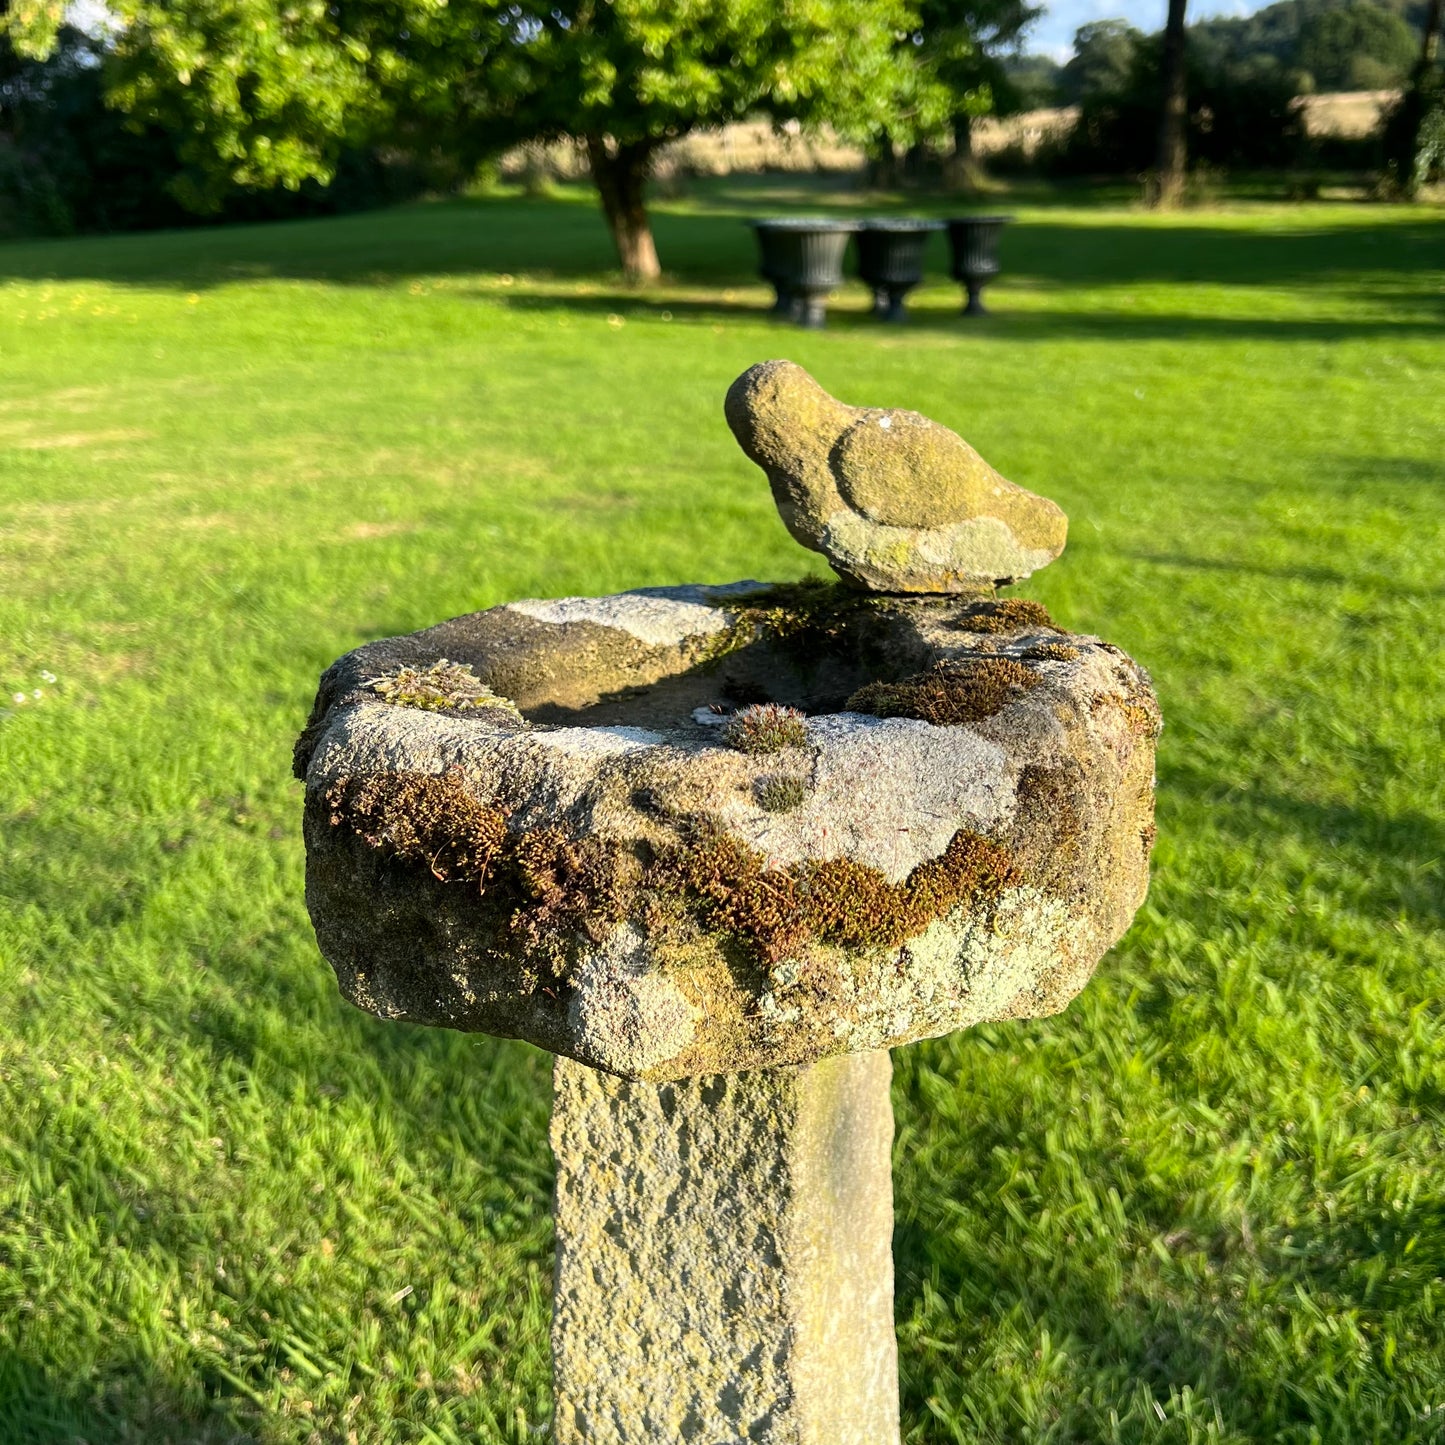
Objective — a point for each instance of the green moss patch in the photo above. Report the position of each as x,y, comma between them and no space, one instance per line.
949,693
780,793
765,728
809,618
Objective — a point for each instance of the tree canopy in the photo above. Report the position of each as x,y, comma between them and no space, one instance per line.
273,92
1358,47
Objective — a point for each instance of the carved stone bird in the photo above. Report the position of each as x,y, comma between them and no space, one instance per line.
896,502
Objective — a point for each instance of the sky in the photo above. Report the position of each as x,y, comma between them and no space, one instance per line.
1053,35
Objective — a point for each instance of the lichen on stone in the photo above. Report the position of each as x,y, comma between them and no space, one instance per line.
764,728
444,686
950,693
896,502
1141,711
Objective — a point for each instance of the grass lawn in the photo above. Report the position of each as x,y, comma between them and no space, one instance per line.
1207,1203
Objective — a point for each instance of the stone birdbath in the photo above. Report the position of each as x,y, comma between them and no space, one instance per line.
720,848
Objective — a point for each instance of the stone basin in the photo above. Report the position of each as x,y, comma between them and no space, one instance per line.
956,829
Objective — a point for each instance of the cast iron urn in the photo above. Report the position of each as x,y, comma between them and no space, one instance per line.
974,240
803,260
890,261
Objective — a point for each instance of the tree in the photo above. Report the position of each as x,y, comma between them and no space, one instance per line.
627,76
1415,133
1102,62
1034,79
1166,187
966,45
273,92
1358,47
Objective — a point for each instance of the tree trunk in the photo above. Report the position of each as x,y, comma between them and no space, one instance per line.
963,172
1166,188
1430,44
881,170
620,172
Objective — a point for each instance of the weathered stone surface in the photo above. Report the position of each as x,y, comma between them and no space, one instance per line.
724,1268
896,502
604,879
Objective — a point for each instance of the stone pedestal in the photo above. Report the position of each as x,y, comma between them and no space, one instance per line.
724,1265
559,821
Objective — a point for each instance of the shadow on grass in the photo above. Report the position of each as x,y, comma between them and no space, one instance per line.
564,237
851,312
1407,470
138,1408
1404,850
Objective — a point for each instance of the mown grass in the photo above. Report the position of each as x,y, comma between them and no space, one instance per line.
1205,1204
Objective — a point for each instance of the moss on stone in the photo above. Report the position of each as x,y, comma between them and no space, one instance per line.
1141,712
801,613
1049,810
1006,614
765,728
434,819
569,885
1053,652
444,686
780,793
949,693
777,911
809,618
556,887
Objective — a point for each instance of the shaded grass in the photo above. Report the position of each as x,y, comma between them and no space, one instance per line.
1206,1203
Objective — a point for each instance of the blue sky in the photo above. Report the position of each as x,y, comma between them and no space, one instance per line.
1054,33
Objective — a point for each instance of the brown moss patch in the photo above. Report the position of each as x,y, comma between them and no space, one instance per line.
1052,652
949,693
569,885
423,818
777,911
1007,614
553,888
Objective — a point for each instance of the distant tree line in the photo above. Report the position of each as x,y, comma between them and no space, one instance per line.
187,109
1241,80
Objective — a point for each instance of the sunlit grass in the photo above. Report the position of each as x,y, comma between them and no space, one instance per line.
1207,1203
